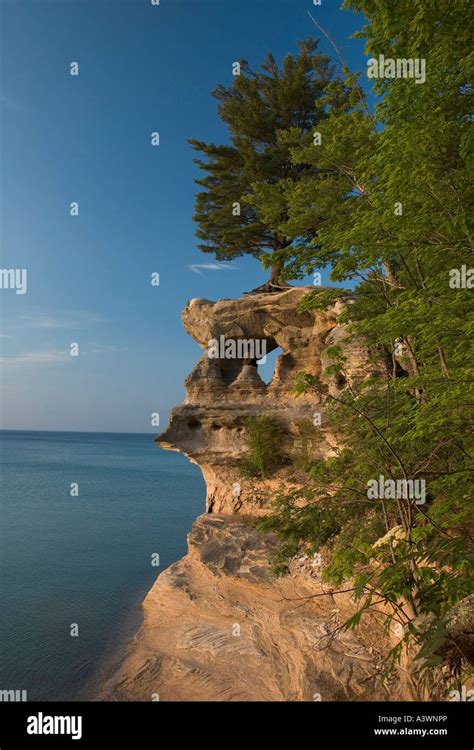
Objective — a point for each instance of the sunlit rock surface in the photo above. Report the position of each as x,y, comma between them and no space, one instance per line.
218,626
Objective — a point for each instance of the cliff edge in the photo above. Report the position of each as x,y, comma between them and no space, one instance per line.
217,624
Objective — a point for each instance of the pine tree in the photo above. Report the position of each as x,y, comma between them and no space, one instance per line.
244,196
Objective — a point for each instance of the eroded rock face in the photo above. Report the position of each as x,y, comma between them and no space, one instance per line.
209,427
218,625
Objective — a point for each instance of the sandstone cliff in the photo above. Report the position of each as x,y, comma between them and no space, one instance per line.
209,426
217,625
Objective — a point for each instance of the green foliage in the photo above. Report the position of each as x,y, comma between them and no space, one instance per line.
255,170
415,558
263,437
306,439
321,299
416,423
384,199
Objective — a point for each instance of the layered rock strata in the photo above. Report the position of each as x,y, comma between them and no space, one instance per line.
217,625
209,428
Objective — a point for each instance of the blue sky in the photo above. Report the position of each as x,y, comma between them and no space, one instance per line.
142,68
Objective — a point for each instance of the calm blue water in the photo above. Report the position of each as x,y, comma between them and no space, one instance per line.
85,559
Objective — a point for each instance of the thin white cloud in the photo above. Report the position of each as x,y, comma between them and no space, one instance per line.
105,349
200,267
9,103
52,357
56,356
78,319
41,321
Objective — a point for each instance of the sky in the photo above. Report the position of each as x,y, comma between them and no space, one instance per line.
143,68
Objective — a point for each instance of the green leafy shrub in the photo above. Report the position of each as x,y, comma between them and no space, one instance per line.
263,437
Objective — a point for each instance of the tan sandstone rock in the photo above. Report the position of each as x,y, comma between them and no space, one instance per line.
217,625
209,427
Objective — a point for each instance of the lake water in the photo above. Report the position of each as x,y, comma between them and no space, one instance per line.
84,560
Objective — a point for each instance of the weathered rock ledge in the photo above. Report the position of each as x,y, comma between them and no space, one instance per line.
209,426
217,625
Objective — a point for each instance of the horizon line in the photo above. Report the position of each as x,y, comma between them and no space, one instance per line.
79,432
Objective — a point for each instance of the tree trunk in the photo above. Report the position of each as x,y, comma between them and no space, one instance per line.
275,276
274,284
